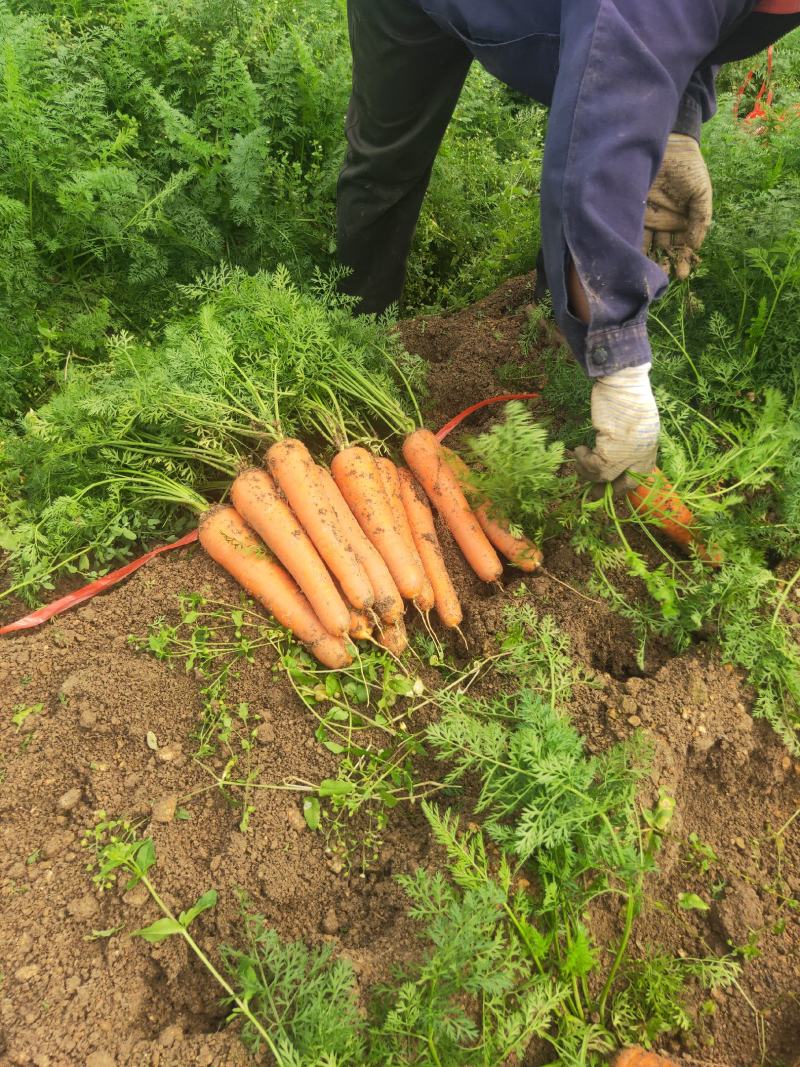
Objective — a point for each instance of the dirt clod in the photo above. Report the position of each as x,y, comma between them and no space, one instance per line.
163,809
738,913
69,800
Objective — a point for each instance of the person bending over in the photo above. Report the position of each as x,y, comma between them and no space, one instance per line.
628,84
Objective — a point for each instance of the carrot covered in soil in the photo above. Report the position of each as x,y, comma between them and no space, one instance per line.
390,477
230,542
393,637
293,468
637,1057
388,602
520,551
423,530
427,459
655,499
257,500
355,472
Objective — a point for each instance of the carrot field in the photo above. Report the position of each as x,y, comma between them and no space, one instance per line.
503,775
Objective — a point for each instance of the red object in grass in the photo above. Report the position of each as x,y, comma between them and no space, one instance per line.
86,592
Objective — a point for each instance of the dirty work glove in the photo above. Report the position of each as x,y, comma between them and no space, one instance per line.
679,205
625,416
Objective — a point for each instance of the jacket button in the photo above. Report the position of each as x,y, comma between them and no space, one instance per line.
600,356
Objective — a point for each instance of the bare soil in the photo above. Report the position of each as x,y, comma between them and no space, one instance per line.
70,998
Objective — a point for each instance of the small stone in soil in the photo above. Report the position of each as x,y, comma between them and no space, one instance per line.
265,733
100,1059
136,897
163,809
16,871
87,718
330,924
295,819
83,907
69,800
24,974
634,720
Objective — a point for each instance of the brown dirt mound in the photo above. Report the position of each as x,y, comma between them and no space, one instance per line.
69,998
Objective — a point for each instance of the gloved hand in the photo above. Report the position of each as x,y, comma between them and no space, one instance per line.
625,416
679,205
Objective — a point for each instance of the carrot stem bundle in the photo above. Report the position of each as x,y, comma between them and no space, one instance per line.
293,468
427,459
355,472
388,602
255,497
390,478
423,530
233,545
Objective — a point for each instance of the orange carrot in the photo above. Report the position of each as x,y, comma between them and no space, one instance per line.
293,468
425,457
360,626
655,499
637,1057
520,551
355,472
229,541
420,519
255,497
388,602
394,637
391,483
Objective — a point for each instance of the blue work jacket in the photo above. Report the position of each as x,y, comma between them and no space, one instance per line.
618,77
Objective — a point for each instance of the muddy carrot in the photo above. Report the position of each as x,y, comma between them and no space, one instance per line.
355,472
425,457
391,484
637,1057
655,499
231,543
293,468
420,519
388,603
520,551
360,626
393,637
257,500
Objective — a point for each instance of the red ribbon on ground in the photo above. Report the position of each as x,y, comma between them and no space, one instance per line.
86,592
458,419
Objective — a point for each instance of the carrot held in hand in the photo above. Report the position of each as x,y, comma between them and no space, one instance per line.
231,543
355,472
520,551
388,602
391,483
420,519
293,468
655,499
255,497
427,460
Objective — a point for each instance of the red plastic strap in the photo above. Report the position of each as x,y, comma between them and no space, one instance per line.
71,600
458,419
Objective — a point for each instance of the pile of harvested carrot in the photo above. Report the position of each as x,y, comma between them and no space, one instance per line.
334,554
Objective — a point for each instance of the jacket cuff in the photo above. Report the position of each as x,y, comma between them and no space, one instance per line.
616,348
689,120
